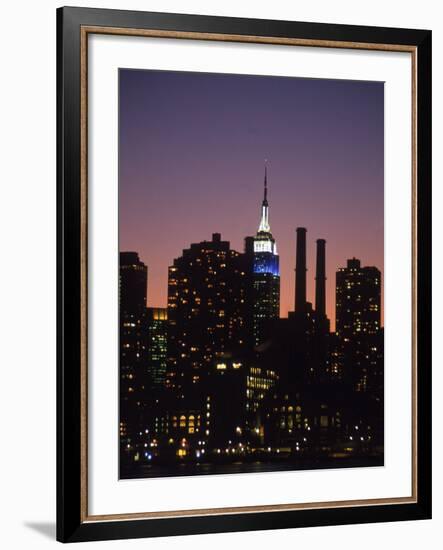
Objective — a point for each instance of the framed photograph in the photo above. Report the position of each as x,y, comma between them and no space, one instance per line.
244,274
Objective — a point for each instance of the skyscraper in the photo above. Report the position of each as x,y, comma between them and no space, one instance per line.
358,325
206,313
157,326
133,278
358,297
265,274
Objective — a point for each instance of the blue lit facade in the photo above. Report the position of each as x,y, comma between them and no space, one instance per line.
266,275
266,262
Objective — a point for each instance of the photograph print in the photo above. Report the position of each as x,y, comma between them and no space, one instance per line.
251,255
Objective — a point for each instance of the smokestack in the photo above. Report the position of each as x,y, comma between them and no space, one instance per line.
300,270
320,278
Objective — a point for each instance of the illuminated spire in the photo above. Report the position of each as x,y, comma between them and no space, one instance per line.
264,221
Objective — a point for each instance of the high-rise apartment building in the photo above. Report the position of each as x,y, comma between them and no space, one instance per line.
358,298
358,325
206,313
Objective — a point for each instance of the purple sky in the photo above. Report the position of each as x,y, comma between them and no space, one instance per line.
192,150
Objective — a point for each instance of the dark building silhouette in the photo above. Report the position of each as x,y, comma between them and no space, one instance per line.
250,291
226,405
133,282
206,313
265,274
336,359
306,329
358,320
358,298
133,276
219,378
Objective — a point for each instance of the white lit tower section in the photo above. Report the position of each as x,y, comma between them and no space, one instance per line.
265,274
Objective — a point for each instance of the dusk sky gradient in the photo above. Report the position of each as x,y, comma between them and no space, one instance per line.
192,150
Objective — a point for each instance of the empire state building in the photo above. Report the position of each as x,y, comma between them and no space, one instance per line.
265,274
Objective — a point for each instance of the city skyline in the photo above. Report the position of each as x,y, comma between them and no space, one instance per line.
217,378
339,201
309,281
